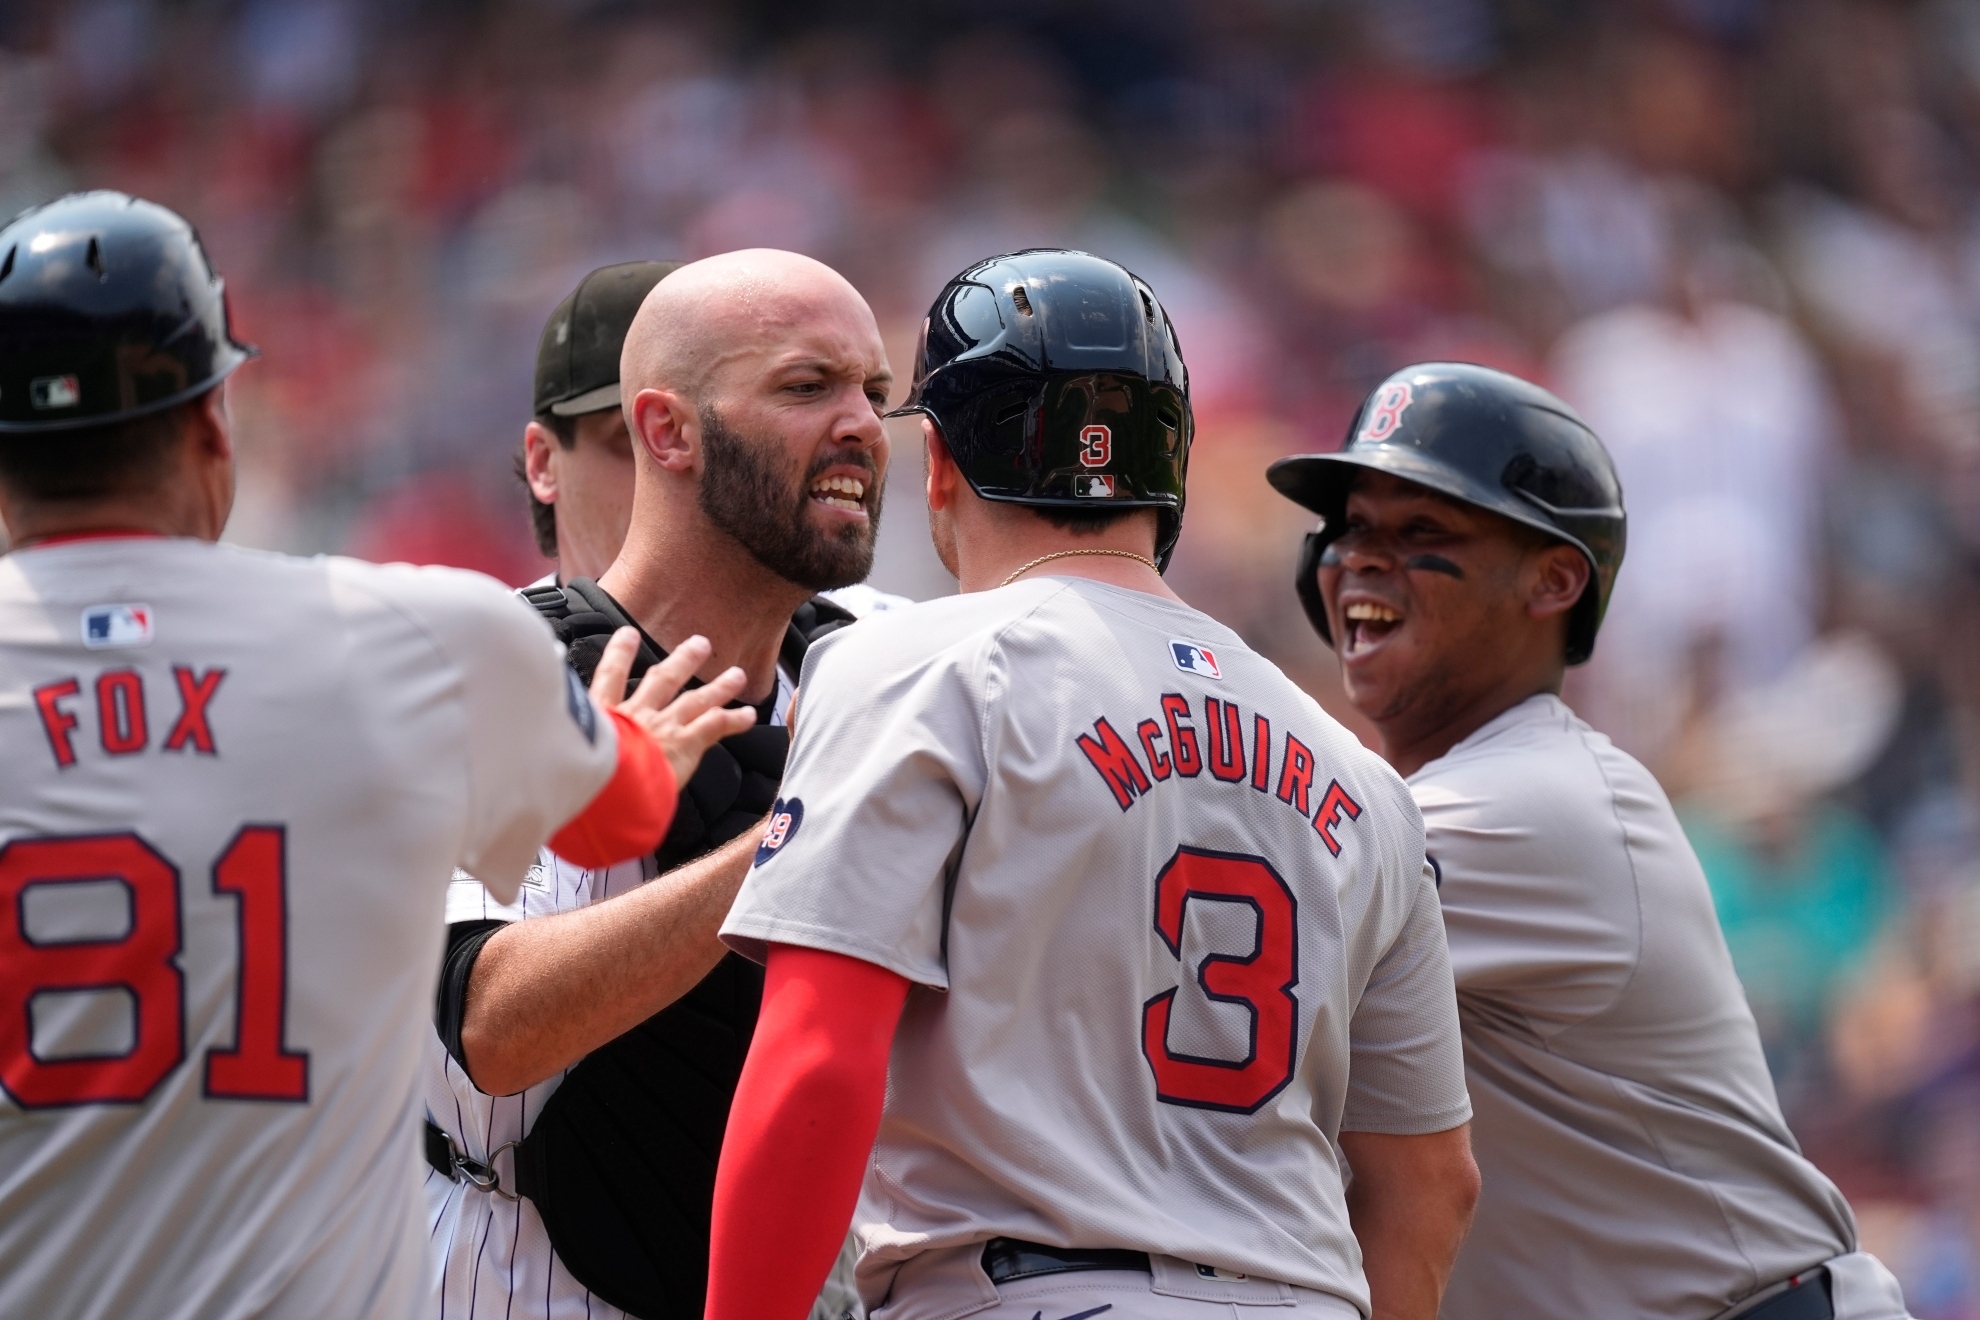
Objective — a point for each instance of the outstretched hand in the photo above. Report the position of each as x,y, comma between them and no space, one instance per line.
684,725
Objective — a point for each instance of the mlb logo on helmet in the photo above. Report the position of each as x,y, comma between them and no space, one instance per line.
786,814
54,392
116,625
1194,659
1093,486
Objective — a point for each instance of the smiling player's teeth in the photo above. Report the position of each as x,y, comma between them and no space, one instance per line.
1370,610
846,493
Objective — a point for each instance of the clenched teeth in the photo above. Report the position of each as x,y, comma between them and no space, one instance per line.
1369,611
848,493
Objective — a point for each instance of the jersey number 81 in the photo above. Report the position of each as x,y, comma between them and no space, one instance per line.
142,963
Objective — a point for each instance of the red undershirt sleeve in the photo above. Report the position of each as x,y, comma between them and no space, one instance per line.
630,815
800,1131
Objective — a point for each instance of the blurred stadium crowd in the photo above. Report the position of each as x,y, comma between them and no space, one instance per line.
1742,237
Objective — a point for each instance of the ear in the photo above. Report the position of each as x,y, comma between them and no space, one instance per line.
943,474
210,433
665,428
1557,575
539,465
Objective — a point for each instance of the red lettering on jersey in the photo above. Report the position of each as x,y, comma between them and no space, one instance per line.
1182,736
195,694
258,1067
142,962
1331,807
1158,762
1261,980
1296,775
1261,755
1225,725
120,720
56,722
1115,762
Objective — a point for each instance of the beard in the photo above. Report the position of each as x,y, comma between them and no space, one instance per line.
747,492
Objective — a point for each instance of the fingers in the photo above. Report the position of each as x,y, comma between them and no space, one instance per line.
683,743
719,691
665,679
608,681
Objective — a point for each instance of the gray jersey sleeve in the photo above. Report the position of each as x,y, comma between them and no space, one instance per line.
886,769
1406,1060
534,749
1539,904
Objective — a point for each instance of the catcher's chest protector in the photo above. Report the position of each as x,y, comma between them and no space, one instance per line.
621,1162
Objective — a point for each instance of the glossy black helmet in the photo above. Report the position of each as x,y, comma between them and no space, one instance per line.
1486,438
1057,382
108,309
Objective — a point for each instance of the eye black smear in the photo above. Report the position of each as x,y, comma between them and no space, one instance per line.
1434,564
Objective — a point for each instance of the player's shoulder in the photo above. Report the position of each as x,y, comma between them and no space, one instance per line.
456,607
910,634
1538,767
418,586
860,600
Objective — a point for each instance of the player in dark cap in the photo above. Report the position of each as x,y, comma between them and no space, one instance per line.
576,455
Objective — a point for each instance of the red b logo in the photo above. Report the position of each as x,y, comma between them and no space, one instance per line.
1096,446
1386,415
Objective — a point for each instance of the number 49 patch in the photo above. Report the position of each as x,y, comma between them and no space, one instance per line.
785,817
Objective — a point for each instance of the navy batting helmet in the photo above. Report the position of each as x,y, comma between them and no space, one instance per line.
108,309
1488,439
1057,382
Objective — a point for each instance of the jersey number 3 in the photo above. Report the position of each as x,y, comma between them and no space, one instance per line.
1262,981
142,963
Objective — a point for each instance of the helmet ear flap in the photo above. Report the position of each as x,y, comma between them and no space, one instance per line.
1307,582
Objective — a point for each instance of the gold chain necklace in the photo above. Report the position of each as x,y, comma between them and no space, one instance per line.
1062,554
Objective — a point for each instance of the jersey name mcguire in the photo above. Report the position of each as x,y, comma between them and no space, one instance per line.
1170,745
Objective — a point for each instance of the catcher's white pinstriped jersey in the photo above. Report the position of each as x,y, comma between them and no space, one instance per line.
492,1256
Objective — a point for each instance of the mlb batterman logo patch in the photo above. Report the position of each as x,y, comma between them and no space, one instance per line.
786,814
1194,659
116,625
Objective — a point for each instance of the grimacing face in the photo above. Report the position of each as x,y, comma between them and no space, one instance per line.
794,455
814,527
1425,597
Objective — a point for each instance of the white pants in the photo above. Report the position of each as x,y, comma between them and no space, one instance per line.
950,1283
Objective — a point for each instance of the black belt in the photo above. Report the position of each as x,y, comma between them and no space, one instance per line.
457,1167
1005,1259
1806,1297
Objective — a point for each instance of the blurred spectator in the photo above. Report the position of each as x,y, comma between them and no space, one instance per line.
1801,882
1721,427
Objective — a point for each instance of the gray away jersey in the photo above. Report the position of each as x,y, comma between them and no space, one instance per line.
235,786
1169,925
1634,1156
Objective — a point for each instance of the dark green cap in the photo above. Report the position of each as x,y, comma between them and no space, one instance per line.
577,362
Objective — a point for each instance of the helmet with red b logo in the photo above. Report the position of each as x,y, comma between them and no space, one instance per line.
1486,438
1057,382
